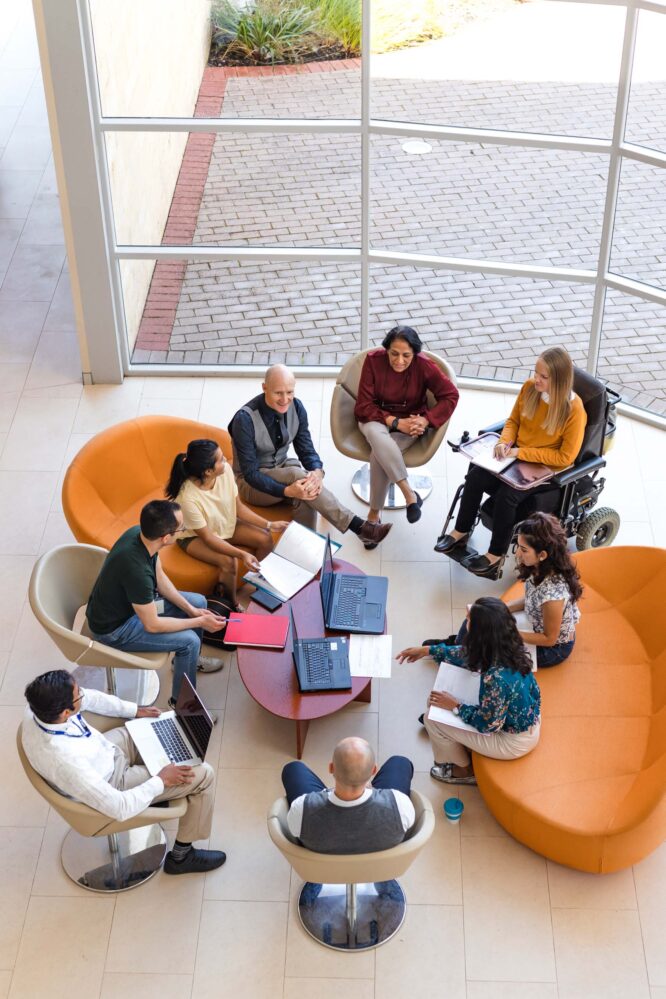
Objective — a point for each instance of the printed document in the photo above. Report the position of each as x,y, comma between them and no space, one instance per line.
370,655
524,624
464,686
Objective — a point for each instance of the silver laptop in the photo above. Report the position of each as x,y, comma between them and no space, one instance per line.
179,736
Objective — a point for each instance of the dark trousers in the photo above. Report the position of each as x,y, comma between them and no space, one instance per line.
478,482
395,775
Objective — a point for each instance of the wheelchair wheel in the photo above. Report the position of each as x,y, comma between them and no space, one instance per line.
599,529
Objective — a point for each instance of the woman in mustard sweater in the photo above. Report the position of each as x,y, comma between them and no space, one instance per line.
546,425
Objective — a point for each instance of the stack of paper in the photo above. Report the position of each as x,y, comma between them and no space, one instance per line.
461,684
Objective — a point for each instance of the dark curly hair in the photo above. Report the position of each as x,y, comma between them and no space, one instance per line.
544,533
493,638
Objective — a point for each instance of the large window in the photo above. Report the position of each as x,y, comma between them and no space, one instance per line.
494,174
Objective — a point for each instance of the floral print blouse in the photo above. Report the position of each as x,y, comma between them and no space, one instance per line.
508,701
551,588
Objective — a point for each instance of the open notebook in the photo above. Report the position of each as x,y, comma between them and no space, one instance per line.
296,559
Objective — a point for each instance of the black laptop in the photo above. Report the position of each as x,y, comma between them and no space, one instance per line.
321,663
352,603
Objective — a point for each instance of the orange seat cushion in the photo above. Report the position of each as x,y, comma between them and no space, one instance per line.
121,469
592,795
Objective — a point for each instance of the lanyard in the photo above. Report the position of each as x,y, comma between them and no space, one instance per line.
78,723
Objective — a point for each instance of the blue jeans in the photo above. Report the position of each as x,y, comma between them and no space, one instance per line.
546,655
133,637
395,775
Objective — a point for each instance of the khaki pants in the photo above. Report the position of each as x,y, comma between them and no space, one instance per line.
305,511
129,772
386,462
452,745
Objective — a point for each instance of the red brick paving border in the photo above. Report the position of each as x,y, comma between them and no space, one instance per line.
159,313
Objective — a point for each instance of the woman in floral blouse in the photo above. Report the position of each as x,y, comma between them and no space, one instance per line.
552,588
505,724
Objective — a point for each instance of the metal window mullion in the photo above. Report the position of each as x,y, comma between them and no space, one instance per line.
170,124
104,182
612,187
642,154
636,288
365,173
499,137
267,253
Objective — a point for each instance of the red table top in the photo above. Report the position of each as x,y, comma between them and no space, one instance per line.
270,676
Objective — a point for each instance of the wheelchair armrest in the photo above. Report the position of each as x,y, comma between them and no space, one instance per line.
495,428
578,471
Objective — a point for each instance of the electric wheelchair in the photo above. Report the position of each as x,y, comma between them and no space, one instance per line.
571,494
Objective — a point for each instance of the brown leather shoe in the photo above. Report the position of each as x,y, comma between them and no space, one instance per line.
374,533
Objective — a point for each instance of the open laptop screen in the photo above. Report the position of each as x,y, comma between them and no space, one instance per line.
194,718
326,579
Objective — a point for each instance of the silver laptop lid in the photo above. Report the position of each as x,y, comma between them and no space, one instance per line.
194,718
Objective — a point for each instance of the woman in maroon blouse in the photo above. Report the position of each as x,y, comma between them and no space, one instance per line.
392,412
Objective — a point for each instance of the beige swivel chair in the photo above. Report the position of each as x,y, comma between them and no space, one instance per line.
60,585
99,853
350,441
352,901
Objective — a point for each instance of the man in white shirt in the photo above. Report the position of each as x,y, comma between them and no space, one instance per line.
367,810
105,771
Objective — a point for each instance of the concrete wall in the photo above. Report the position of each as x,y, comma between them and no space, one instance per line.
150,57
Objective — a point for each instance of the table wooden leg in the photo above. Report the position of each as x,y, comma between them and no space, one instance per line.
366,693
301,732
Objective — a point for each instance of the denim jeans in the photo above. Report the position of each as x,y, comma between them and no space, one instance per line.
133,637
546,655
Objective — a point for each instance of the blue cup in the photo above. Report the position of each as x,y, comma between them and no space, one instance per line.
453,809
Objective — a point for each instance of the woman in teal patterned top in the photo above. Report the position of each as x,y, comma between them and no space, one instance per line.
505,724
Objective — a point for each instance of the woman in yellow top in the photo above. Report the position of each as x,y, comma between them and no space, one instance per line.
216,520
546,425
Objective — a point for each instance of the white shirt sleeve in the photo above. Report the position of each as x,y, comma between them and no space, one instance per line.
406,809
295,816
106,704
81,781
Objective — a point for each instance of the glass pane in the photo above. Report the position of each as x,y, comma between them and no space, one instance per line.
240,189
632,357
645,123
639,235
486,326
249,312
494,202
538,67
234,58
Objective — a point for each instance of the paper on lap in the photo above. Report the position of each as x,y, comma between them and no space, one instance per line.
461,684
524,624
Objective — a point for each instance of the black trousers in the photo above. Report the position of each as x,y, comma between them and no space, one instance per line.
395,775
478,482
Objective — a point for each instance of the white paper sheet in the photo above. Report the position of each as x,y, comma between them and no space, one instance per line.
370,655
301,546
524,624
461,684
480,452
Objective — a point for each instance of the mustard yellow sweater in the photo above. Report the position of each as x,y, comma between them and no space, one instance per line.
559,450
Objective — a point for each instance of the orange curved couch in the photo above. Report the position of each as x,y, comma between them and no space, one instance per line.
592,795
124,467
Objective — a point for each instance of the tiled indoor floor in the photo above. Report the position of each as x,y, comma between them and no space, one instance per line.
487,918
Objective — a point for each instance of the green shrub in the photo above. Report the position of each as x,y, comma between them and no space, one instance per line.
338,21
265,32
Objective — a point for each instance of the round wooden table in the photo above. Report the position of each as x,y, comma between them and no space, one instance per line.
270,676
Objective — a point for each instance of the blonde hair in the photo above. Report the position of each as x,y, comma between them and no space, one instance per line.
560,371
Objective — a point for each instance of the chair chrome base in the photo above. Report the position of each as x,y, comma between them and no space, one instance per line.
422,484
352,917
114,863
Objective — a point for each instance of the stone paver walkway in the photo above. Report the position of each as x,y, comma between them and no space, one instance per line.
467,200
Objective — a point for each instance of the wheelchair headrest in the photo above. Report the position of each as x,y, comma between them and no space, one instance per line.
593,395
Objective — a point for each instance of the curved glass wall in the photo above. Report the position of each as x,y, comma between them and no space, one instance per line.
496,178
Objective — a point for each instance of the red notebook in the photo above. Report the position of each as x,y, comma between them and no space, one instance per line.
263,631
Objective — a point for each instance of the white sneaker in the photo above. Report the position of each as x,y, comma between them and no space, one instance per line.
208,664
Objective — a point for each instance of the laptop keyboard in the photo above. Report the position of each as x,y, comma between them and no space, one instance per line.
171,740
317,665
351,597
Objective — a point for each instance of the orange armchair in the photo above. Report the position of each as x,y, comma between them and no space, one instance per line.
121,469
592,795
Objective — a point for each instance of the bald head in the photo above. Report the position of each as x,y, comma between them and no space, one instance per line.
353,762
279,386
